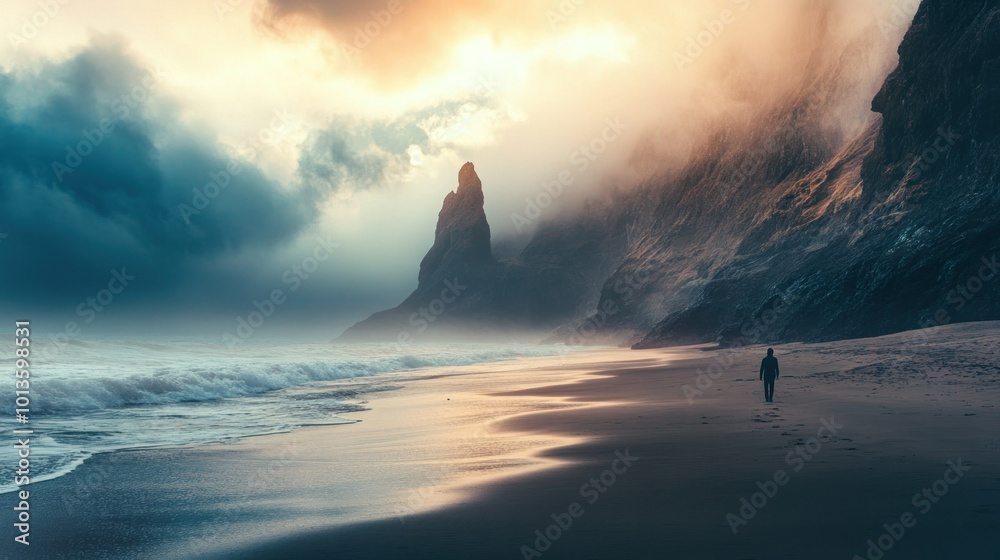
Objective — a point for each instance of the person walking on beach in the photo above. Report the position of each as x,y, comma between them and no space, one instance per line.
768,373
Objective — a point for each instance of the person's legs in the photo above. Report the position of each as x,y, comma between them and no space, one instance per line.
768,389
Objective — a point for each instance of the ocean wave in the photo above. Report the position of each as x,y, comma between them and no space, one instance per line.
219,377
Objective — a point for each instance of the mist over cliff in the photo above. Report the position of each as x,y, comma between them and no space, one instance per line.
895,231
840,203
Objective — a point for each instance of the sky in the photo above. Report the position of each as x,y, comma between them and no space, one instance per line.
205,151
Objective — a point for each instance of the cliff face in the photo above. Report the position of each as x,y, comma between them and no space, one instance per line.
699,238
784,227
897,230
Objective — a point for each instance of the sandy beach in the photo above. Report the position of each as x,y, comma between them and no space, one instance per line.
869,449
392,280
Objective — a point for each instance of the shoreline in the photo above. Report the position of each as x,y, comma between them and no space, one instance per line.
360,387
902,420
262,458
836,500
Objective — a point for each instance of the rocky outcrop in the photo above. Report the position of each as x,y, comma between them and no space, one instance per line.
784,226
463,291
462,236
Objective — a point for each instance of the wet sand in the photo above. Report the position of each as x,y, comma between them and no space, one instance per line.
596,455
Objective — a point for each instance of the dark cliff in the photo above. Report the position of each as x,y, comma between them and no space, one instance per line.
462,236
786,225
463,291
896,230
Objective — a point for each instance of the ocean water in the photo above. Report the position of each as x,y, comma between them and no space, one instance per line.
100,396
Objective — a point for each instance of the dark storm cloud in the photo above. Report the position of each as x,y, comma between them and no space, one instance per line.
98,171
94,168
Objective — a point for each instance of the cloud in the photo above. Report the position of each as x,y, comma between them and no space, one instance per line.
99,169
95,167
394,42
674,71
501,84
352,154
